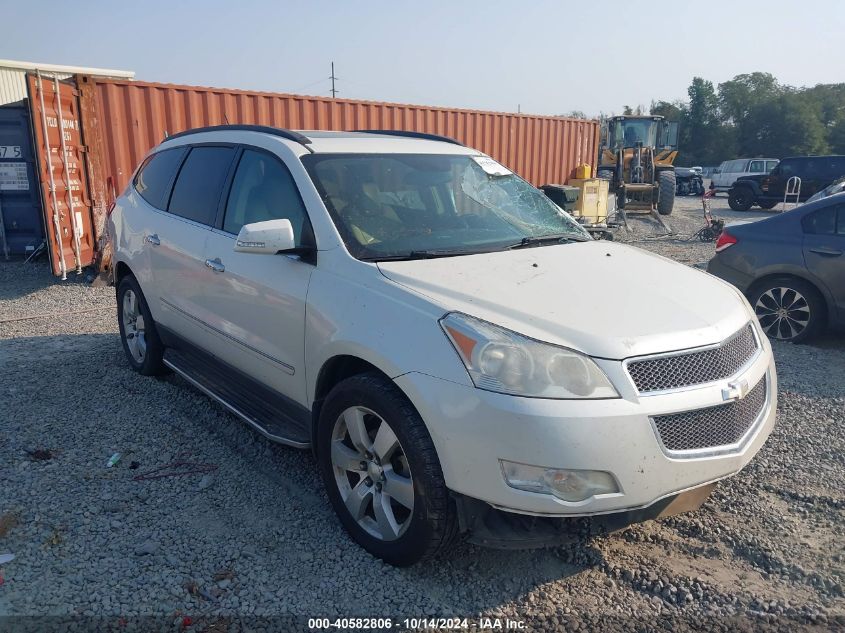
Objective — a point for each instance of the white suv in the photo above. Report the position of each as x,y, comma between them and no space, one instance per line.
724,177
440,334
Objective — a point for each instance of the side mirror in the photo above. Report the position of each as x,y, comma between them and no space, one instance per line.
268,237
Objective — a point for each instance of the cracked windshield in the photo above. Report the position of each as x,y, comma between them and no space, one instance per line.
418,205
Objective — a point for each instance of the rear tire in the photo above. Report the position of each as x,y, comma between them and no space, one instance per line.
740,199
666,199
768,205
141,343
788,308
357,416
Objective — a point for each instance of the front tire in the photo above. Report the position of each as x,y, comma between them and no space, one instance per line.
381,471
789,309
666,199
141,343
740,199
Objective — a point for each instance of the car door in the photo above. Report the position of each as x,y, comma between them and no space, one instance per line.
177,253
733,170
813,175
255,303
824,250
774,185
145,214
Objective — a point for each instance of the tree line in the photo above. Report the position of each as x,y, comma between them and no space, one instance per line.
755,115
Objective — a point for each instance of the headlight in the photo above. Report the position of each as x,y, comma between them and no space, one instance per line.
506,362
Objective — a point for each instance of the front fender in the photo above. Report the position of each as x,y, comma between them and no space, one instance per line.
749,184
380,322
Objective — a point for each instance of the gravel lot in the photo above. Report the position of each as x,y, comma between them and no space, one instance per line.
256,537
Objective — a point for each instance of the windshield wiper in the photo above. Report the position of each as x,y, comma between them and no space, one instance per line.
417,255
558,238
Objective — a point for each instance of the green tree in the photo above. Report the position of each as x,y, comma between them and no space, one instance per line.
671,111
786,126
704,140
739,95
836,137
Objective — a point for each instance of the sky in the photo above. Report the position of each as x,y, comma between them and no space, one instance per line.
540,57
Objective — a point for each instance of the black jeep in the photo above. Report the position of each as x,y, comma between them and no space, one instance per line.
766,190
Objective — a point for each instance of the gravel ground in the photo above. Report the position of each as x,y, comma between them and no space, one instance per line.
255,540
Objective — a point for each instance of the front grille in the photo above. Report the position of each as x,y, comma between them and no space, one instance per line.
694,368
715,426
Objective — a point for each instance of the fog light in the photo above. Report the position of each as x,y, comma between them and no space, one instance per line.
569,485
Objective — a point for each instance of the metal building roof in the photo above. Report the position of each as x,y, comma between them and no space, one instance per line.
13,76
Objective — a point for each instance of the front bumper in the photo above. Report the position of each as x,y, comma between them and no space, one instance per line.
473,429
497,529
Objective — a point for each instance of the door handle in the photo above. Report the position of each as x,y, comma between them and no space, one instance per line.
215,264
152,239
830,252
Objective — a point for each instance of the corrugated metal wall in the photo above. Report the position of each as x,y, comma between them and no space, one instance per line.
13,84
134,117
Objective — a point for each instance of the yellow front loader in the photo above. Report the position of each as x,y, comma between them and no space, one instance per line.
636,157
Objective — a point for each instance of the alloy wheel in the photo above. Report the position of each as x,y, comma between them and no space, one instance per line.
133,326
372,473
783,313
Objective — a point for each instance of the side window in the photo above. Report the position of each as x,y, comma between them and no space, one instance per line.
156,174
770,165
822,222
200,182
737,167
757,167
834,168
787,168
263,189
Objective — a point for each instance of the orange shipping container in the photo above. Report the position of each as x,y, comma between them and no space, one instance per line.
122,120
135,116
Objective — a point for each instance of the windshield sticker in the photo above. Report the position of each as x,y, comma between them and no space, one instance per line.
491,167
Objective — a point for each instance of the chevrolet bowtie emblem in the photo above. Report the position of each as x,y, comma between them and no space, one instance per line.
735,390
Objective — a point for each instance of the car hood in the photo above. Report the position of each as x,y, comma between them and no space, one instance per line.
607,300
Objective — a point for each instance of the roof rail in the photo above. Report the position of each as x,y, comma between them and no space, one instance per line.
266,129
409,134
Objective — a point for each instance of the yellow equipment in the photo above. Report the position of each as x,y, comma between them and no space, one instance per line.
592,200
583,171
636,157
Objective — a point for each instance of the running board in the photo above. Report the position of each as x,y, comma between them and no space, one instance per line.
268,412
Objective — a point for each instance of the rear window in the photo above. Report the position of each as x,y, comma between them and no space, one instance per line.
833,168
757,167
200,181
156,174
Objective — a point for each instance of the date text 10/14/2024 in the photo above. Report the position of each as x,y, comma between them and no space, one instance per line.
417,624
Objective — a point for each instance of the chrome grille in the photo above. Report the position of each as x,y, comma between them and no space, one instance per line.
694,368
721,425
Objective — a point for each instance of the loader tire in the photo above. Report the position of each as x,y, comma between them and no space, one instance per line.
666,199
